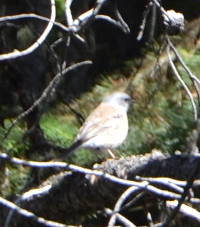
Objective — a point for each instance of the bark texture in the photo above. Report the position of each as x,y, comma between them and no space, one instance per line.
74,195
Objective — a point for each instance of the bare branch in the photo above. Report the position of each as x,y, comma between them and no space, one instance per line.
94,179
39,41
185,193
26,195
87,17
142,185
33,15
194,79
164,180
119,203
161,8
124,27
29,214
150,219
189,211
121,218
183,83
143,24
68,13
171,183
51,85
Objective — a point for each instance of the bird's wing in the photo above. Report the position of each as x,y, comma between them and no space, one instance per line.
104,119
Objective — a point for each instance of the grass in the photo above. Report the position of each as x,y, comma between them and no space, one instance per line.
160,119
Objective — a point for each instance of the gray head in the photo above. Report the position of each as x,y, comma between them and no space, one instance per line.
119,100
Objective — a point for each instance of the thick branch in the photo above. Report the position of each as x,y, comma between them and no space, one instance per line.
71,195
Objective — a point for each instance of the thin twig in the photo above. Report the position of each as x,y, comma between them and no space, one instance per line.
171,183
142,185
35,16
120,217
29,214
150,219
124,27
190,181
85,18
143,24
194,79
51,85
119,203
183,84
68,13
186,210
161,8
39,41
25,196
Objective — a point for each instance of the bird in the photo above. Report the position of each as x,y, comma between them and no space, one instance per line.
105,128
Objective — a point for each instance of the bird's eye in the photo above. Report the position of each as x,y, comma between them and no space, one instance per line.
127,99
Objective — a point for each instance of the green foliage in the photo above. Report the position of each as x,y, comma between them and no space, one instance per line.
192,61
60,125
163,127
163,114
14,143
59,129
14,179
60,7
160,119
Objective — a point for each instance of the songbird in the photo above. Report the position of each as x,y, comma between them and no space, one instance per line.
105,128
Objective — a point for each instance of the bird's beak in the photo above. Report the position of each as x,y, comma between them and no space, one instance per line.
132,101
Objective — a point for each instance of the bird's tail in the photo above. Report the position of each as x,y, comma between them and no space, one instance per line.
69,151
